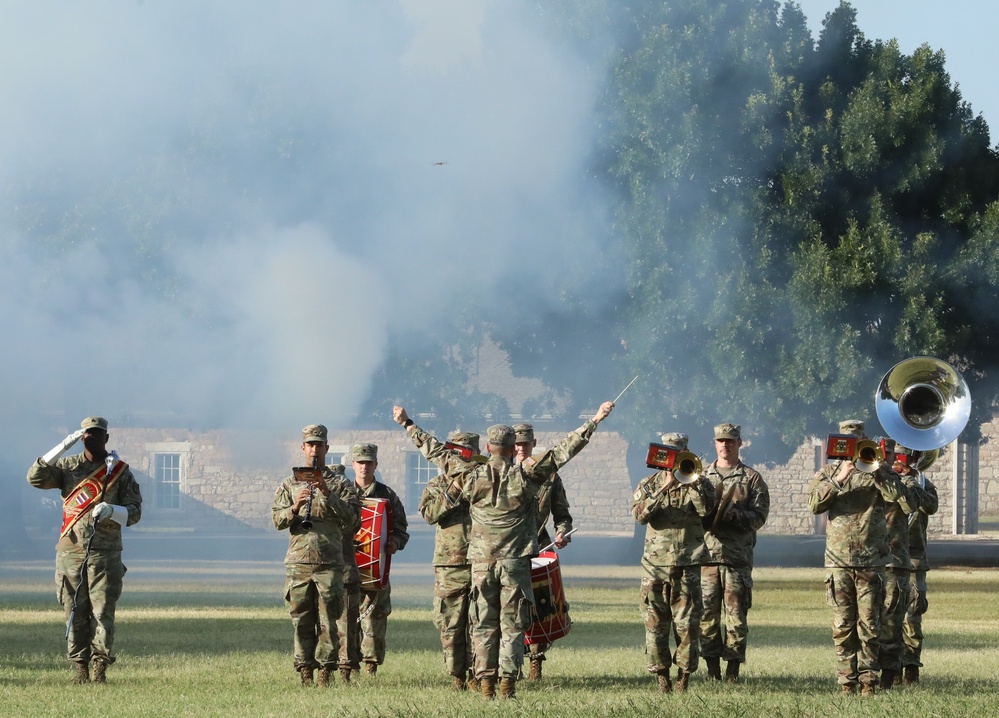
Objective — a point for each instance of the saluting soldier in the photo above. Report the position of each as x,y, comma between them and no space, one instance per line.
452,569
100,496
671,563
501,496
320,516
730,538
551,501
855,558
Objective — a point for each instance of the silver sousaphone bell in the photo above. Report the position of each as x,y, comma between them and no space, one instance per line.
923,403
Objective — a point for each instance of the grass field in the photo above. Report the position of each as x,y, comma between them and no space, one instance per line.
213,639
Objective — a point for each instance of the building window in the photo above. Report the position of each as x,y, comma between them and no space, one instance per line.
166,473
419,471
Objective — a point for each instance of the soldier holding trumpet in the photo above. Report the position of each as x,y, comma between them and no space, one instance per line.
856,494
321,511
671,504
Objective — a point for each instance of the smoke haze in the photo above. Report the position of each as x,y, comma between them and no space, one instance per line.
217,215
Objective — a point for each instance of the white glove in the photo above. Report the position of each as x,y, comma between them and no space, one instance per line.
59,449
104,510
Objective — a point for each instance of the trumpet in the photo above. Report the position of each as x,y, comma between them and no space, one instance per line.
687,468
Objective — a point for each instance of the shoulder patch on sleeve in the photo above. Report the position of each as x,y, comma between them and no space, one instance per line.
530,461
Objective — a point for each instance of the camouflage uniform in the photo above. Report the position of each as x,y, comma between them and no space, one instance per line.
671,562
313,589
501,496
96,589
552,501
912,627
350,640
727,576
452,569
376,603
856,554
896,582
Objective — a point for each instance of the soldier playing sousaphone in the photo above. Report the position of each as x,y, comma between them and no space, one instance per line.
100,496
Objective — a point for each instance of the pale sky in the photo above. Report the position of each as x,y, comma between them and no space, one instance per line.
963,29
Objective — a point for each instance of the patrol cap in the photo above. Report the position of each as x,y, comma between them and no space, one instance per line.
523,433
728,431
500,435
94,422
314,432
675,439
851,426
364,452
465,439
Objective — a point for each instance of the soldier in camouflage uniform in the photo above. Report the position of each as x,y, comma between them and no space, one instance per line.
350,641
927,502
856,554
897,571
376,603
671,585
314,563
452,569
551,501
727,573
501,497
89,570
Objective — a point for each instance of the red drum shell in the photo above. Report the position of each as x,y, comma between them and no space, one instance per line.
371,542
551,611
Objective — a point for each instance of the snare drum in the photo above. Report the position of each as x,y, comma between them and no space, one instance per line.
371,542
551,611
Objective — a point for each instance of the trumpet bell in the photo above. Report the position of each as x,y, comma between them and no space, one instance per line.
687,467
923,403
869,456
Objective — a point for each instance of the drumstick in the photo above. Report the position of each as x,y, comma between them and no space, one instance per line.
567,533
624,390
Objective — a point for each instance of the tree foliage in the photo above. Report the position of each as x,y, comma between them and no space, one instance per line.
799,216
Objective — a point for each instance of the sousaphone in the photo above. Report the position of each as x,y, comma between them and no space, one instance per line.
923,403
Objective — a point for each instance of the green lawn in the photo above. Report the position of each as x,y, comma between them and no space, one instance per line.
213,639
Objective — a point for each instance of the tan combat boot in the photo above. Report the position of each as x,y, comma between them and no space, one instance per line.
910,675
472,682
99,673
508,687
848,689
458,683
867,691
535,674
732,672
488,686
664,684
371,669
81,673
682,681
325,679
714,668
307,673
345,674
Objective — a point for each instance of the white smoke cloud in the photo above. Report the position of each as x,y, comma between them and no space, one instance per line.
249,198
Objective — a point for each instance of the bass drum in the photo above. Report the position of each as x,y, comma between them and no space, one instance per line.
371,542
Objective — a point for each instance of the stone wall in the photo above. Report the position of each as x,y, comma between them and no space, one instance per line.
228,479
